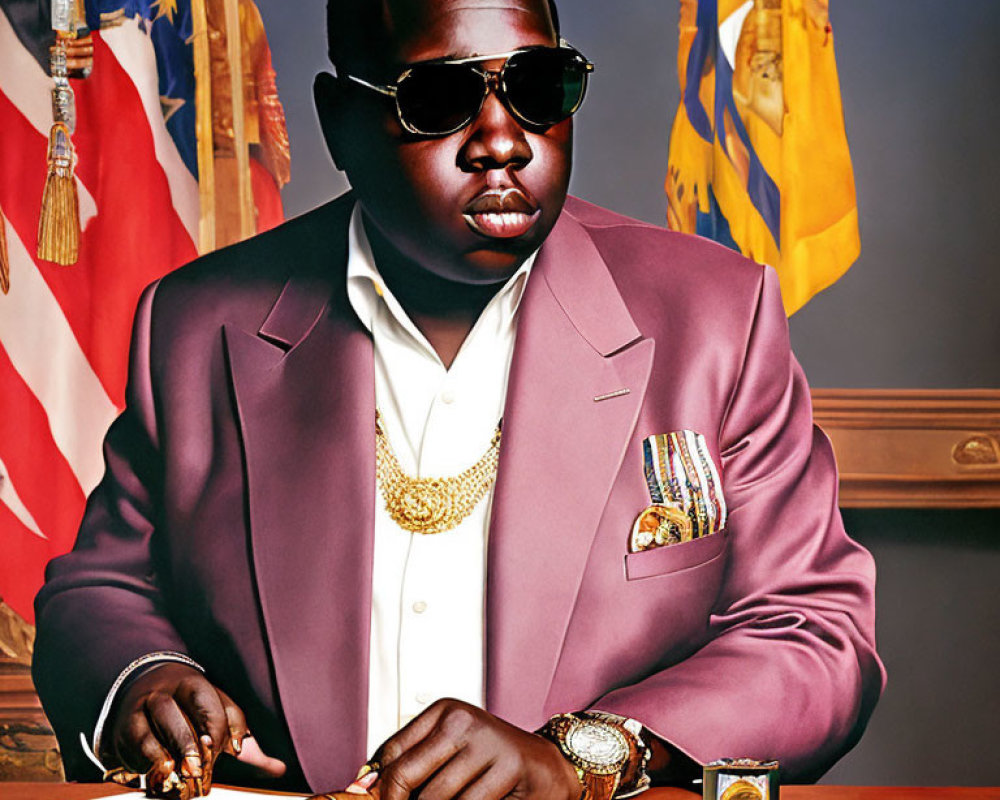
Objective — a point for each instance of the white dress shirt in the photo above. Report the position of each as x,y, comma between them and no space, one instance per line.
428,591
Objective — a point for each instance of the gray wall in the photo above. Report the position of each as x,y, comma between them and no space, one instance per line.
938,623
921,84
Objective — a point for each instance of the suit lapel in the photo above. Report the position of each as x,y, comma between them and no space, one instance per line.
561,451
304,390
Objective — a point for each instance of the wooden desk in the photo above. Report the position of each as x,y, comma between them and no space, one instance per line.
88,791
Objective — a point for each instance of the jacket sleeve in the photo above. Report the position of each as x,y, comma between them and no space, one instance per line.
790,671
100,608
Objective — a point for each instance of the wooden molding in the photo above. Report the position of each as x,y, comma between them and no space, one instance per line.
914,448
28,750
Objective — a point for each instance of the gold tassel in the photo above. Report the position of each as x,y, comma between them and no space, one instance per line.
59,225
4,257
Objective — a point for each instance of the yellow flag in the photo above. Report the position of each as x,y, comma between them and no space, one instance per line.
758,153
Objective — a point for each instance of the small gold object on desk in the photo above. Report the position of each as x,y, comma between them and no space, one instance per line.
174,786
740,779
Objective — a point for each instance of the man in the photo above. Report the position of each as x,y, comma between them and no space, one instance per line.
650,532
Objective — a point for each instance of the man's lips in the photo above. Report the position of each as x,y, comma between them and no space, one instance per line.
501,213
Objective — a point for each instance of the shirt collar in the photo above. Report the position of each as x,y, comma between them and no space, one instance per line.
367,290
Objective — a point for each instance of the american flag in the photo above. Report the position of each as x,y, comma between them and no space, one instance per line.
64,330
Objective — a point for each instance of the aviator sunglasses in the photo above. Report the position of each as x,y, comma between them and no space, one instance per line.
539,85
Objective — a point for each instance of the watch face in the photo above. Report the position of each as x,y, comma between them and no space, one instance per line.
598,744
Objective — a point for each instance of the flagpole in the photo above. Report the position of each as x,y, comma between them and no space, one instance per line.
4,257
234,42
203,126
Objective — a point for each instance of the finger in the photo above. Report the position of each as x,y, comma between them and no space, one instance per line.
121,776
413,732
417,765
498,781
236,724
252,754
460,772
201,704
137,748
161,782
175,731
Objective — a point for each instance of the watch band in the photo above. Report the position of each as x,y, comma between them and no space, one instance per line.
606,750
597,787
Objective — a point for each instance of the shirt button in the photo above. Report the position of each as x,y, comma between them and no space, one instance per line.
419,607
423,698
448,397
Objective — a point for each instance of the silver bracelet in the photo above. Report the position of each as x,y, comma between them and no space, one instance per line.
93,751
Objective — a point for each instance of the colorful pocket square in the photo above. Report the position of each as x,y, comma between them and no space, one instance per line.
685,489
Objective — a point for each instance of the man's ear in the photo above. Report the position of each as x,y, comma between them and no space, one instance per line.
328,95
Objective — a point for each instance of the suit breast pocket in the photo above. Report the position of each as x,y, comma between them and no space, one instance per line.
674,558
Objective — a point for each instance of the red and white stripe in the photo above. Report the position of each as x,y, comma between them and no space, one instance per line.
64,330
134,52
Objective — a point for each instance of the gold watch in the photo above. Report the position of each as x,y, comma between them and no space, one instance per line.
602,749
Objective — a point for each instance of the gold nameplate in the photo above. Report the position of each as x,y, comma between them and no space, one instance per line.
740,779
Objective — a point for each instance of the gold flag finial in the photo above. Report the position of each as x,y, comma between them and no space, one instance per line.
59,222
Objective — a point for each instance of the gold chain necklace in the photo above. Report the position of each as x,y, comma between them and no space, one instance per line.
431,505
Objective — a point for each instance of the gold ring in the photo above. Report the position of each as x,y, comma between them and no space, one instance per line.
370,766
120,775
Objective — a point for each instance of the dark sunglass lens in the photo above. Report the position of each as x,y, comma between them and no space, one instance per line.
439,98
545,86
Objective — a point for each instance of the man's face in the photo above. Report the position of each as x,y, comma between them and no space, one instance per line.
430,199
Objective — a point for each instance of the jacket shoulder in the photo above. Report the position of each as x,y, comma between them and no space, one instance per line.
655,268
239,284
651,256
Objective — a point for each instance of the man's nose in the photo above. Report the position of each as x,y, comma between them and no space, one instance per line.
496,139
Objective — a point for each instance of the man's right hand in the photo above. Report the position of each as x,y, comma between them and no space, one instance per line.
171,718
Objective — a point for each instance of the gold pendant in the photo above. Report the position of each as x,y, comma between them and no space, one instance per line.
431,505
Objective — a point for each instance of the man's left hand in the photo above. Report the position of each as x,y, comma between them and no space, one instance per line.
455,749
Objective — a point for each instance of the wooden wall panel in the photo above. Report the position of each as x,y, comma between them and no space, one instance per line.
914,448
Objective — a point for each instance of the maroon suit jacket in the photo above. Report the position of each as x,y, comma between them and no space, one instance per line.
235,520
